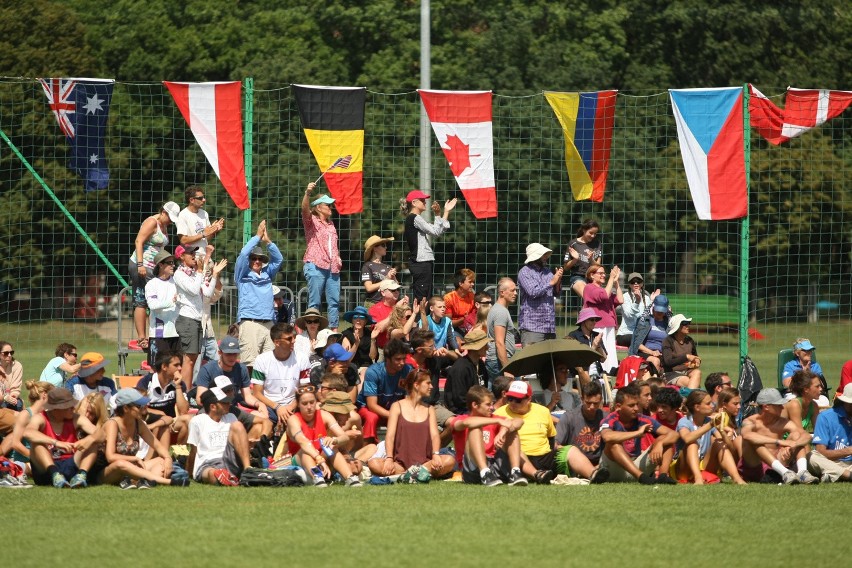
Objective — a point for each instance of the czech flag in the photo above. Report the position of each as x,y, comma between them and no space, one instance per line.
711,134
461,121
333,119
214,113
586,120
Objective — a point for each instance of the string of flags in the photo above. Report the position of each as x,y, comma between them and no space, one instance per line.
710,128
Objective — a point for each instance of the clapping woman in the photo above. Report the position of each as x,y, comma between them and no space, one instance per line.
421,258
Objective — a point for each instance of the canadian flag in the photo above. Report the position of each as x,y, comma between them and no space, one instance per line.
805,109
461,121
213,112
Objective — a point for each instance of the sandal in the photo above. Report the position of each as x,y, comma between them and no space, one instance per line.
544,476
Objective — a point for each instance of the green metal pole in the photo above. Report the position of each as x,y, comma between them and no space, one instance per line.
62,208
744,235
248,128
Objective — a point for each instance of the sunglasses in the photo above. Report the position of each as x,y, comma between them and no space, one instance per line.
168,262
255,259
512,399
72,354
7,353
635,281
486,303
199,197
312,322
359,317
303,390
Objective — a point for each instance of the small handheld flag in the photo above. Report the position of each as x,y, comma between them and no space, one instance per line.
342,163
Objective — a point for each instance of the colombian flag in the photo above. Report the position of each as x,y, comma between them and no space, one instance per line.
333,119
586,120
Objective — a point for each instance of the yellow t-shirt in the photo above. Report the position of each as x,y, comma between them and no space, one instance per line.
538,427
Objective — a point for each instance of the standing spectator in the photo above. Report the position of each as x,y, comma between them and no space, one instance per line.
193,224
208,335
277,373
582,252
831,458
636,303
421,258
501,329
253,274
11,378
603,300
192,288
803,360
382,388
322,257
478,316
150,241
580,427
460,302
57,369
161,295
539,286
90,378
374,270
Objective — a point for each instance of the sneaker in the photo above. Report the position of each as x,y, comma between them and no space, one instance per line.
423,475
225,477
319,481
179,482
544,476
646,479
806,478
665,479
490,479
146,484
789,478
59,481
126,483
10,482
78,481
517,478
354,482
826,478
600,475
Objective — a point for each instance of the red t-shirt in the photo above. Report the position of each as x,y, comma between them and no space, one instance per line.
489,432
313,434
457,306
379,312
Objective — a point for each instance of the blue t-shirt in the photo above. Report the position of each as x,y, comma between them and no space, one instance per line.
794,365
444,334
386,387
833,430
239,378
703,442
656,335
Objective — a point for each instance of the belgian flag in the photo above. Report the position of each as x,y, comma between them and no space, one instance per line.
333,119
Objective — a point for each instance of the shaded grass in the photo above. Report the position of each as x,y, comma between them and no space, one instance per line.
443,524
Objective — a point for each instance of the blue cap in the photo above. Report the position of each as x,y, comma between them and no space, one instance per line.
661,304
805,345
322,199
229,344
336,352
130,396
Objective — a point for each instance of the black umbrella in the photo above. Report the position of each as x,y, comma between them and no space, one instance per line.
545,355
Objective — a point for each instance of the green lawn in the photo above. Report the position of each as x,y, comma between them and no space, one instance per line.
442,524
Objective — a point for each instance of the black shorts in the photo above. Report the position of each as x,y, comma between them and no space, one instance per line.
189,331
545,461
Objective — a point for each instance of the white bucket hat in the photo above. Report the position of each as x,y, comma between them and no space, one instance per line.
535,251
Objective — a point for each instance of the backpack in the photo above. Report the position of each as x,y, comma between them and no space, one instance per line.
749,385
256,477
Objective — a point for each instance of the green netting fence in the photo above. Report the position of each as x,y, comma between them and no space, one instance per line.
55,287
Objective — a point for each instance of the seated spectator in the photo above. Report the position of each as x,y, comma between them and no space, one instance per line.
803,360
488,449
337,360
441,326
645,397
650,332
634,443
425,357
831,458
729,402
765,444
702,448
580,426
14,444
284,311
381,311
680,355
803,409
637,302
499,388
412,438
57,457
587,320
92,415
325,337
374,270
123,435
277,373
11,378
309,442
64,364
558,394
716,383
466,372
536,440
358,339
668,402
310,324
256,425
333,391
460,303
90,378
382,387
168,408
482,303
402,320
218,443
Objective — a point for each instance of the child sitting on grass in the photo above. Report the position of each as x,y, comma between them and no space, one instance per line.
702,448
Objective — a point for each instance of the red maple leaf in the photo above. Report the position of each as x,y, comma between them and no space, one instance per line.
458,154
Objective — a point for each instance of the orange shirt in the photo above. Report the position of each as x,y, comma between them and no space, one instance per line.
457,306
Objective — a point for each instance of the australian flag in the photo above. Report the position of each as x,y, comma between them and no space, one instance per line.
81,107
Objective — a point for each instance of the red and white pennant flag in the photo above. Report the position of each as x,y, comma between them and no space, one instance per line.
461,121
213,112
804,109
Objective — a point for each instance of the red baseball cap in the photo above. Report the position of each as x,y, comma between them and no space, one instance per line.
519,389
416,194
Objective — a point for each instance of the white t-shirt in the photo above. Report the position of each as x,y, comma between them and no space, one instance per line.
280,379
161,295
190,223
209,437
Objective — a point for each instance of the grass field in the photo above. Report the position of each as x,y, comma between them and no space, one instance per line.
442,524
